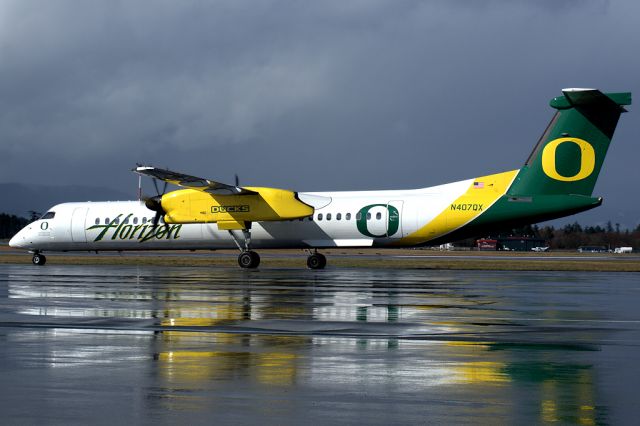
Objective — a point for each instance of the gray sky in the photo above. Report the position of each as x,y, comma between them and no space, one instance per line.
307,95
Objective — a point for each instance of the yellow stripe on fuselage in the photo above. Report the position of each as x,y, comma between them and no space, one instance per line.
483,192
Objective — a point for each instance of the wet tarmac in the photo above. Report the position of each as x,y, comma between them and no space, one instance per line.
164,345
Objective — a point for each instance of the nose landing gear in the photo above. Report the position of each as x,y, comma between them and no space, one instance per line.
39,259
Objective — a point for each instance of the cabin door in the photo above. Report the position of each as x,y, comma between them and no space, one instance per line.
78,232
394,219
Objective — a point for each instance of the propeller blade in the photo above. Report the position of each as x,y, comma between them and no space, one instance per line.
156,219
237,181
155,204
155,185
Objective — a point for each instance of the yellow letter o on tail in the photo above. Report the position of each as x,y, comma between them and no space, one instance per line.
587,159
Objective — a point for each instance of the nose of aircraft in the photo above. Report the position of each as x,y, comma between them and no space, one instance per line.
18,240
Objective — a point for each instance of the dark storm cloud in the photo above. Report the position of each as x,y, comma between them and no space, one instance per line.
307,95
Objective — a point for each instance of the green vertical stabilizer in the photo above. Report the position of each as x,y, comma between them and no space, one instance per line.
570,153
559,176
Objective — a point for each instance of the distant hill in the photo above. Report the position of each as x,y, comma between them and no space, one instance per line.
18,199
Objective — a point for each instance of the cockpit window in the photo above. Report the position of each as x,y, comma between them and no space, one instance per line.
48,215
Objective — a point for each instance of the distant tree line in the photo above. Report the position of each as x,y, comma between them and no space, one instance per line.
573,235
10,225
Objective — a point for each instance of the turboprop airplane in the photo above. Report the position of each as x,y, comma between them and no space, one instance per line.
557,180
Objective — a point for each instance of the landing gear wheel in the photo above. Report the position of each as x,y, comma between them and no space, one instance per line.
39,259
249,259
316,261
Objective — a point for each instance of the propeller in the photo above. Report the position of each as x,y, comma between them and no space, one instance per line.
155,204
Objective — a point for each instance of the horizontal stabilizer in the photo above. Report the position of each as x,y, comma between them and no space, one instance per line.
591,97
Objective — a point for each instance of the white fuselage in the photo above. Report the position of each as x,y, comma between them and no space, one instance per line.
126,225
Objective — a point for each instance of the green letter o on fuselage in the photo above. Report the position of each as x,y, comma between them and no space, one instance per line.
393,220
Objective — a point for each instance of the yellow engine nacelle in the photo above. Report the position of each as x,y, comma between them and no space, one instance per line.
233,211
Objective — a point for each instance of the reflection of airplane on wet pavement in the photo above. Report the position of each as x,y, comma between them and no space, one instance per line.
557,180
195,337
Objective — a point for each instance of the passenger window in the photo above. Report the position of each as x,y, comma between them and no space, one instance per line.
328,216
97,221
48,215
126,220
144,220
339,216
347,216
359,216
116,220
368,216
319,216
378,216
106,221
135,220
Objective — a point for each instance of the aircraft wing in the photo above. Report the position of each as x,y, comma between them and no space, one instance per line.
193,182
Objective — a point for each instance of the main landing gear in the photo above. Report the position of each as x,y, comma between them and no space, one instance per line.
247,259
39,259
316,260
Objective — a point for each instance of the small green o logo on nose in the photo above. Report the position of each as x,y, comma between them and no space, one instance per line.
44,226
393,220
